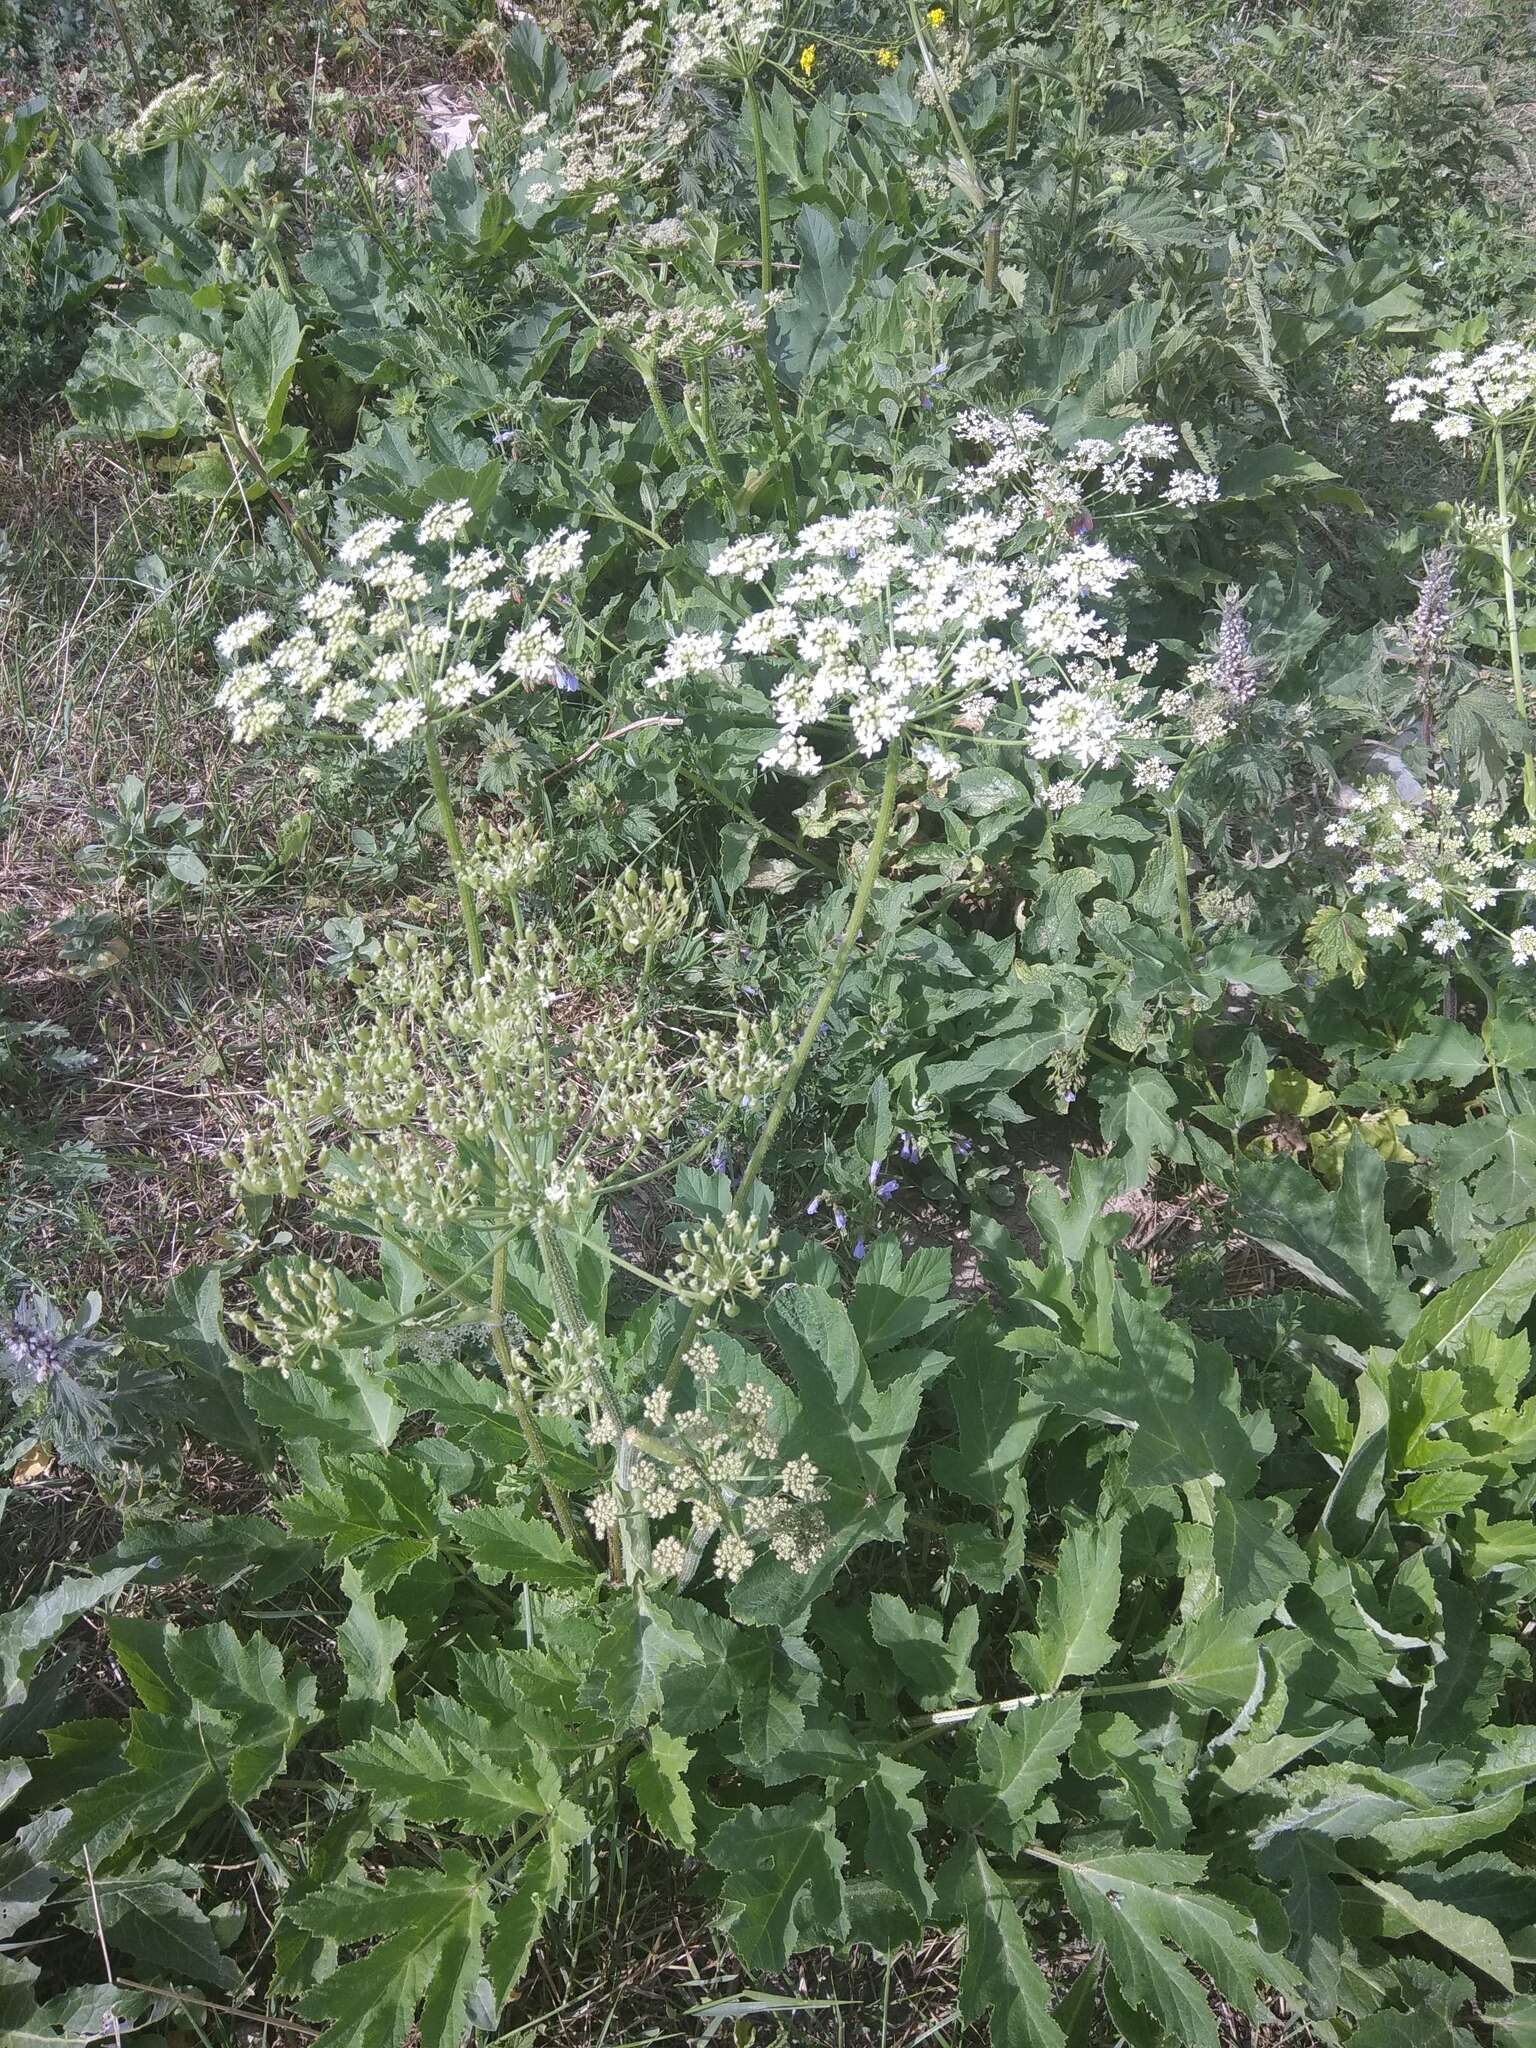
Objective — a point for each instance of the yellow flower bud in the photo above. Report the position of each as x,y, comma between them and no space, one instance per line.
808,59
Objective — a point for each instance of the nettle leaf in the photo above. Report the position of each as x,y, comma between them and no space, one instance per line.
657,1777
1075,1609
426,1928
783,1889
1142,1906
1000,1978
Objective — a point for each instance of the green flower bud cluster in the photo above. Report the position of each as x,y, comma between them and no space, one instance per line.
632,1098
504,861
721,1462
725,1260
740,1070
298,1308
644,913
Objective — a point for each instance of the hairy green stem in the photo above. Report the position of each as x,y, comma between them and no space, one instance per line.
675,448
760,170
1180,859
450,824
841,961
1512,622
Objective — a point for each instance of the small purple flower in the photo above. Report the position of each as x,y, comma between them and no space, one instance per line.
503,436
963,1148
824,1028
875,1171
813,1205
908,1148
859,1248
1082,522
940,370
750,988
839,1215
886,1189
566,679
720,1160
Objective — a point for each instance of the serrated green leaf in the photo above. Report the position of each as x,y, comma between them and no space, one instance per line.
935,1664
1142,1905
644,1642
657,1777
1500,1289
1158,1386
260,358
426,1928
1018,1755
893,1858
28,1629
502,1544
1074,1611
783,1888
1000,1979
1467,1936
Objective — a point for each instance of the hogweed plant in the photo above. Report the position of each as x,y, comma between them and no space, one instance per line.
411,634
1487,396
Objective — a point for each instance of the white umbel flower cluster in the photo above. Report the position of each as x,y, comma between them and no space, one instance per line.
1458,392
718,1467
882,624
403,636
721,36
1435,867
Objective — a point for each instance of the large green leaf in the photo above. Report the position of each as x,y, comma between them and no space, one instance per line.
783,1888
1000,1978
1500,1289
425,1926
1157,1929
1071,1638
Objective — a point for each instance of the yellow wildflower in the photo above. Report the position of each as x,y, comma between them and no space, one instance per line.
808,59
935,17
886,59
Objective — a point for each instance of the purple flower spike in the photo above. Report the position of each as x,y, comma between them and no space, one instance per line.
859,1248
963,1148
886,1189
908,1148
